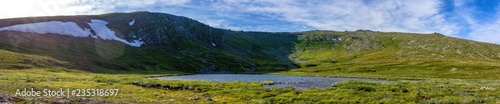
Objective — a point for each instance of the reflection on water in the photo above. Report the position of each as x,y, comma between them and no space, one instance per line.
298,82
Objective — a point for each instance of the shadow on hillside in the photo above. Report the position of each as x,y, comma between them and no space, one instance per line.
240,52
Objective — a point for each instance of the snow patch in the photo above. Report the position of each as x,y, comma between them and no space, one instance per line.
213,44
131,22
93,36
53,27
72,29
103,32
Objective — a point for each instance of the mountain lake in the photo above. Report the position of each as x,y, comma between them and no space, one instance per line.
298,82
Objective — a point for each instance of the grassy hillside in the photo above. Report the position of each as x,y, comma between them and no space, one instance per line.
12,60
381,54
134,88
179,44
111,56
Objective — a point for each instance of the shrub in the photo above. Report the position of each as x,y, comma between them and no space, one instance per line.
268,83
367,88
357,85
311,65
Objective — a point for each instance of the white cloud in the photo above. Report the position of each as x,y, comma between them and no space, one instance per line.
146,3
383,15
421,16
219,23
26,8
479,30
486,32
127,5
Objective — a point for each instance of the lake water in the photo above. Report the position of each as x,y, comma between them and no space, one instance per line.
298,82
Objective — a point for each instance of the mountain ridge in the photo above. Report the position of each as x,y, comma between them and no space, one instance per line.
176,43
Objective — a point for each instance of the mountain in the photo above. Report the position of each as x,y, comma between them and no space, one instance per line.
158,42
144,41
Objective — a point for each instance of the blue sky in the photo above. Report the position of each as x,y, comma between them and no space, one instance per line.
475,20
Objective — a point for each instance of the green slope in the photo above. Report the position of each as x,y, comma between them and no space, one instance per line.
381,54
13,60
114,57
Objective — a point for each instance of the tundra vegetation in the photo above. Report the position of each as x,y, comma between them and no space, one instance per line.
416,68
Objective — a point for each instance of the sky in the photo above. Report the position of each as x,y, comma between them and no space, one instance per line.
477,20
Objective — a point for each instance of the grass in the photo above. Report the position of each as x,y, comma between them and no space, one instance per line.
407,69
136,88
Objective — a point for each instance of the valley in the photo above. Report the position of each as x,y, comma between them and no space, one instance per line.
127,51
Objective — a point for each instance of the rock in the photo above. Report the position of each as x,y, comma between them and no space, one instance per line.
83,100
454,69
487,88
334,84
90,100
101,101
62,102
4,99
355,37
185,87
193,98
333,61
208,99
